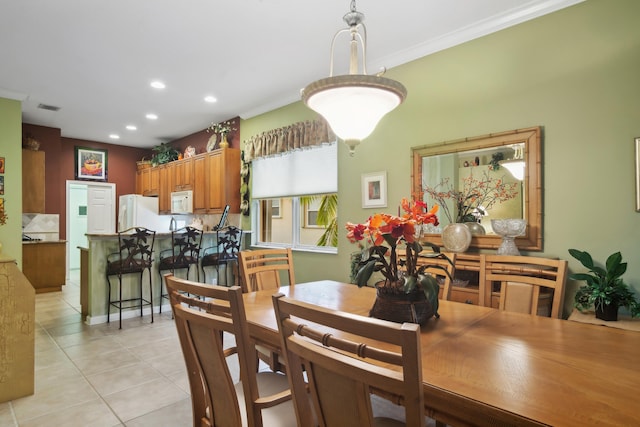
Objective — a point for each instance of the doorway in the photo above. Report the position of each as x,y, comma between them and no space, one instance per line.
90,209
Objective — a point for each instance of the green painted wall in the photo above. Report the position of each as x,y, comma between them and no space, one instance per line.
11,150
574,72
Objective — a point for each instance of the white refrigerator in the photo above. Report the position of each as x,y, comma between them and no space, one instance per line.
135,210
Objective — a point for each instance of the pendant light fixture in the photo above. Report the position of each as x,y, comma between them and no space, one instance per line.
353,103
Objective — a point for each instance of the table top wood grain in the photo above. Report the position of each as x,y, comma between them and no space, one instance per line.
483,366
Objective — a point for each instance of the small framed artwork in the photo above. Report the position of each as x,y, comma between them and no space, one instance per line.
1,164
2,185
637,174
374,190
91,163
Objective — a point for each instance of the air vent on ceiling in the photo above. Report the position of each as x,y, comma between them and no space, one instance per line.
48,107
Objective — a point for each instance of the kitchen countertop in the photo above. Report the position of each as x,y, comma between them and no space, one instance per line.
33,242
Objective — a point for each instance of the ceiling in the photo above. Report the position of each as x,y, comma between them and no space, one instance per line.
95,59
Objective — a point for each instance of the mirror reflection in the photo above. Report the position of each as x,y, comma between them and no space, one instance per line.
479,179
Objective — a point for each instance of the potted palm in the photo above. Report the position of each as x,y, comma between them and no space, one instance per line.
604,289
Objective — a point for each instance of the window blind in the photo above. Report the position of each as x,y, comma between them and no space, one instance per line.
296,173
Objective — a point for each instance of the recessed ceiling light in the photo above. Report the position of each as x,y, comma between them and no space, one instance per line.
210,98
151,116
157,84
114,136
131,127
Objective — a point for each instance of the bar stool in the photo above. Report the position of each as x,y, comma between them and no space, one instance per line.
225,252
184,252
135,255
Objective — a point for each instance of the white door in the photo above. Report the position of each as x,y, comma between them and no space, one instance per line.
101,217
90,210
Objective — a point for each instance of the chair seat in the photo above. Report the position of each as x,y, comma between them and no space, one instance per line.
270,383
125,267
177,262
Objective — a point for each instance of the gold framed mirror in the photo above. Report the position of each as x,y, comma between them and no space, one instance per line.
488,156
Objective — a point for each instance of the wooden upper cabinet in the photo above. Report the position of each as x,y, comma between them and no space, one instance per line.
33,181
215,181
213,177
183,170
149,182
139,182
200,183
164,195
223,180
154,179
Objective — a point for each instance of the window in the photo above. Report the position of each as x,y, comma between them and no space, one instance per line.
290,193
311,205
297,225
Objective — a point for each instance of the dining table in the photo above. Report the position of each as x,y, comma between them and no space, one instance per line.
483,366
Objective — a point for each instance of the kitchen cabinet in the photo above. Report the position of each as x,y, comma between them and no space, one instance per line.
33,181
214,178
44,263
222,181
149,180
199,182
139,182
183,174
164,199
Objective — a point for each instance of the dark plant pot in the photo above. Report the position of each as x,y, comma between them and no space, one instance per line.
401,307
607,312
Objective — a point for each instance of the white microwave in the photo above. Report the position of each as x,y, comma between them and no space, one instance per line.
182,202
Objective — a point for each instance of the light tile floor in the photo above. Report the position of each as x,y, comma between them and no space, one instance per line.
101,375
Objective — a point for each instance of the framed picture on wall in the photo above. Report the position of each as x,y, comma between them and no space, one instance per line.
90,163
1,164
2,185
374,190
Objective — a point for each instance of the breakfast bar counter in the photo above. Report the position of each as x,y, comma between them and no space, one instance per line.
94,268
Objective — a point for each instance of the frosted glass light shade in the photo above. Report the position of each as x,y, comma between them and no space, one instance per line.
353,104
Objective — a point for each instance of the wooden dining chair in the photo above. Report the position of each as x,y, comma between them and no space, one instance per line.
527,284
441,268
203,313
261,269
336,360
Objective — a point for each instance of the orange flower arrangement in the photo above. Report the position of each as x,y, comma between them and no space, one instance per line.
392,230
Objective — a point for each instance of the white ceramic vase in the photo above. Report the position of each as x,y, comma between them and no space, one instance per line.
456,237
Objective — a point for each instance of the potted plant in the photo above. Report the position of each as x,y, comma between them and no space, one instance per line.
165,153
406,294
604,289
